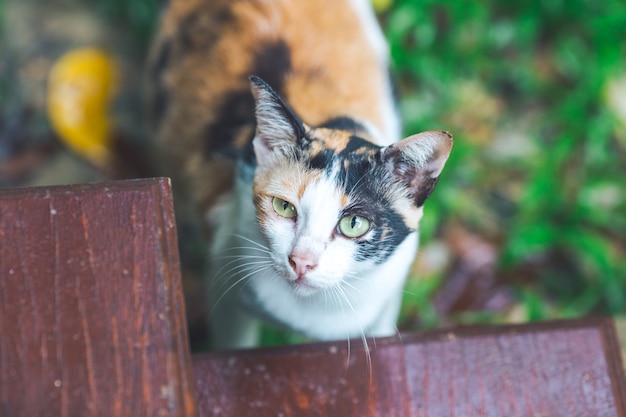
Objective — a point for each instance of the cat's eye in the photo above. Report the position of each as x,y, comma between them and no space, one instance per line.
284,208
353,226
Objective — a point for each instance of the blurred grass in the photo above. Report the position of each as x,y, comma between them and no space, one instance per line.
539,158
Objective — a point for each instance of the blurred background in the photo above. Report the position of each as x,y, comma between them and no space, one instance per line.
528,221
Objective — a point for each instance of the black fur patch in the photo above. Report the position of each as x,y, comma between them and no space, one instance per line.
356,144
236,112
368,185
365,178
344,123
160,99
322,161
200,30
162,61
272,61
160,104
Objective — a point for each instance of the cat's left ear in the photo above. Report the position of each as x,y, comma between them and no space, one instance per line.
277,126
417,161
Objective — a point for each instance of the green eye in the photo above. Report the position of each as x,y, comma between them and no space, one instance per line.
354,226
284,208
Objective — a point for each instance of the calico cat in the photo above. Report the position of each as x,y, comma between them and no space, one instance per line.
276,119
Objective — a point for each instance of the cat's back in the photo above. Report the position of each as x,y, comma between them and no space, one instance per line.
326,58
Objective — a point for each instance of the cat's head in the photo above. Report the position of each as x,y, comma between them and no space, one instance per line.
331,204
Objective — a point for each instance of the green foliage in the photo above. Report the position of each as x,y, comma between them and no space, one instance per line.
416,302
2,6
524,86
140,16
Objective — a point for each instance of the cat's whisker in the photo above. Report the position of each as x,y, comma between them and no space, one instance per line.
221,297
244,267
358,278
405,291
355,277
224,277
337,297
233,285
240,261
399,336
220,272
244,256
352,287
329,290
233,248
262,269
236,259
368,356
397,333
252,241
325,292
355,186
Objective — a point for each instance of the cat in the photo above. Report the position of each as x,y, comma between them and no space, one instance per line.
277,120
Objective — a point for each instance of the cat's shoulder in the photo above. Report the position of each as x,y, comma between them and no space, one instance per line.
326,58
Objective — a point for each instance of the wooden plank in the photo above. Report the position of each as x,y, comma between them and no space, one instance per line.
565,368
620,325
91,310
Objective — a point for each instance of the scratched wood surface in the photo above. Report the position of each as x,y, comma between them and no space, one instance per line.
91,309
565,368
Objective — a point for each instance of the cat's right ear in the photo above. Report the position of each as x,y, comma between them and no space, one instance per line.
417,161
277,126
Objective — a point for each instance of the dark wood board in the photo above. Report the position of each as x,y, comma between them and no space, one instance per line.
563,368
92,323
91,311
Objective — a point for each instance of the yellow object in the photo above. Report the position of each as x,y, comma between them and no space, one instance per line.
80,88
381,5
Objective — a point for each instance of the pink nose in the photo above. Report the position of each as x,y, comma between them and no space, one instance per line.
302,263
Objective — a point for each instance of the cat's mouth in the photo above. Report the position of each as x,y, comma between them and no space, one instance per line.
303,287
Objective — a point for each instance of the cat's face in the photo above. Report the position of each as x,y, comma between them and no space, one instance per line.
330,204
328,215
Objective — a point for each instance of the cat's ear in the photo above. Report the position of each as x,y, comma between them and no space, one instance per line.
277,126
417,161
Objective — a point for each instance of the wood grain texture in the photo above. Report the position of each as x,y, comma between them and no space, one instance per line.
566,368
91,312
620,324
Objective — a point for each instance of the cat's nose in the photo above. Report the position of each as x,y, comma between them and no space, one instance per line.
302,263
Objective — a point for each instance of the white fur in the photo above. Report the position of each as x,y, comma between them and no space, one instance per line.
317,220
367,303
371,30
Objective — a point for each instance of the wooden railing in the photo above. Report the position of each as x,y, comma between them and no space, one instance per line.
92,323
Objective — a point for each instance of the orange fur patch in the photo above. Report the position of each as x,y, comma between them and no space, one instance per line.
329,139
205,51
